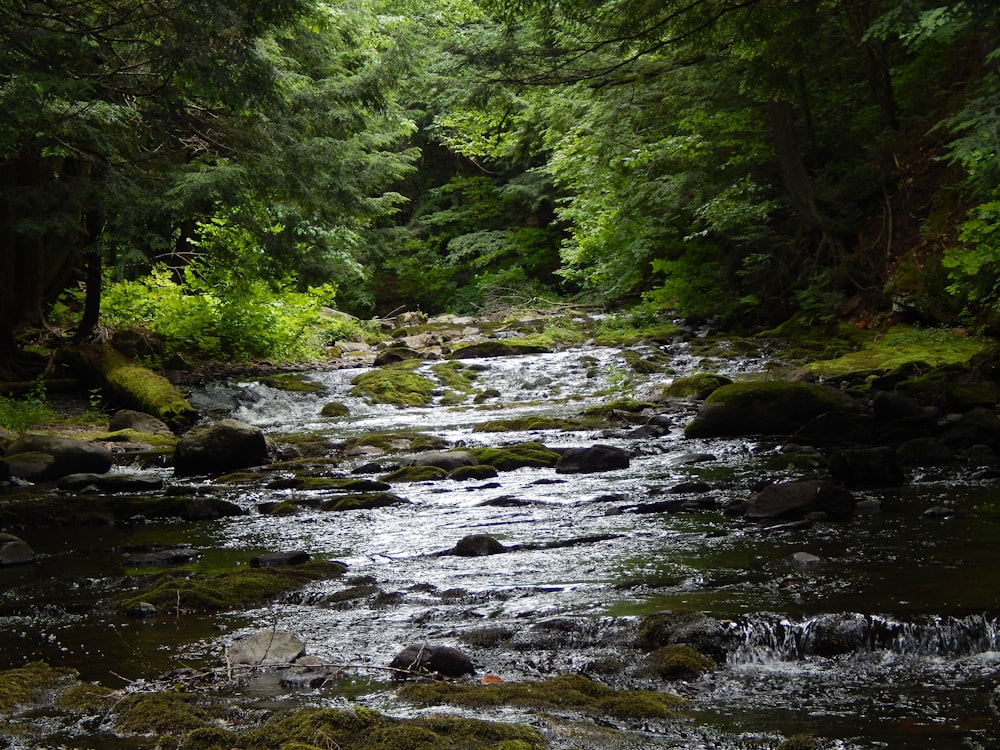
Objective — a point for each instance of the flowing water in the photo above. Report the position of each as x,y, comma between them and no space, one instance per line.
922,591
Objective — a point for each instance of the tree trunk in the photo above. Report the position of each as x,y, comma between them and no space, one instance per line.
131,383
798,186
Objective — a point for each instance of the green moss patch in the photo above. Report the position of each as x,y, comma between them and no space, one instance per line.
134,436
569,691
501,348
295,382
901,345
527,424
629,405
395,384
398,441
363,501
159,713
517,456
678,662
364,729
26,685
697,386
230,590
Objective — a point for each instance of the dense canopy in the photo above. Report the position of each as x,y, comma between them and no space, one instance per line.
747,159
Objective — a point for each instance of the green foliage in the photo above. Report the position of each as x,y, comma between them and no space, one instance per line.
19,414
974,265
225,316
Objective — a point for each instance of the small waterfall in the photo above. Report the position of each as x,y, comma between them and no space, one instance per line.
766,638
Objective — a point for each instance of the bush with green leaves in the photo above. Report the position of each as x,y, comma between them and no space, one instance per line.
20,414
227,317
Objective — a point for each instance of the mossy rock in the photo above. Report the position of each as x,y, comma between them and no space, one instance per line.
799,742
230,590
529,424
284,508
678,662
159,713
517,456
685,627
363,501
334,409
415,474
134,436
465,473
455,375
47,511
399,441
395,384
952,388
698,386
293,382
629,405
568,691
499,348
765,407
25,685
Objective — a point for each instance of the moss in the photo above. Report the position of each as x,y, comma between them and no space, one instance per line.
27,684
498,348
284,508
799,742
415,474
621,404
84,696
697,386
396,384
363,501
399,441
572,691
679,662
517,456
231,590
158,713
363,729
464,473
333,409
527,424
294,382
901,345
455,375
133,436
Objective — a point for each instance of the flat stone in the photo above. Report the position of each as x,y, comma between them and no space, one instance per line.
266,648
280,559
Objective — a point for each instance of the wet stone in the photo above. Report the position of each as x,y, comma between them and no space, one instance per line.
280,559
15,551
443,660
266,648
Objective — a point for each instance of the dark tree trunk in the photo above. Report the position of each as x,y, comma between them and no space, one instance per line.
798,185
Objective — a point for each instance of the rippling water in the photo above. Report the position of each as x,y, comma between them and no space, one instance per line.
924,589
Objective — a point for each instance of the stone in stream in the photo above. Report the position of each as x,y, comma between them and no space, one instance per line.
220,446
38,458
593,459
15,551
280,559
796,500
164,557
266,648
477,545
129,419
443,660
866,467
111,482
447,460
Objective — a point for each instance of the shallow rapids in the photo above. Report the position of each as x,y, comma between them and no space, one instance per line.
922,590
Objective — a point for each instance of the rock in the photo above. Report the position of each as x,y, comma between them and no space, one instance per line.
593,459
334,409
477,545
447,460
280,559
866,467
409,319
794,500
15,551
443,660
141,610
805,558
111,482
925,451
129,419
395,354
266,648
833,635
765,407
221,446
164,557
889,405
504,348
4,470
479,471
686,627
68,456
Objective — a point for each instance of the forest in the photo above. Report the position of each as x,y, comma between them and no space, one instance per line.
218,172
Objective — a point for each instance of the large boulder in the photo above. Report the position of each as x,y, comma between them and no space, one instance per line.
795,500
129,419
593,459
217,447
765,407
442,660
38,458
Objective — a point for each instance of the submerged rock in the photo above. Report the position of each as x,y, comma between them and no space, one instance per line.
477,545
794,500
443,660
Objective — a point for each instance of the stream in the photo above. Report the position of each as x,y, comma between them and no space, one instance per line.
922,589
